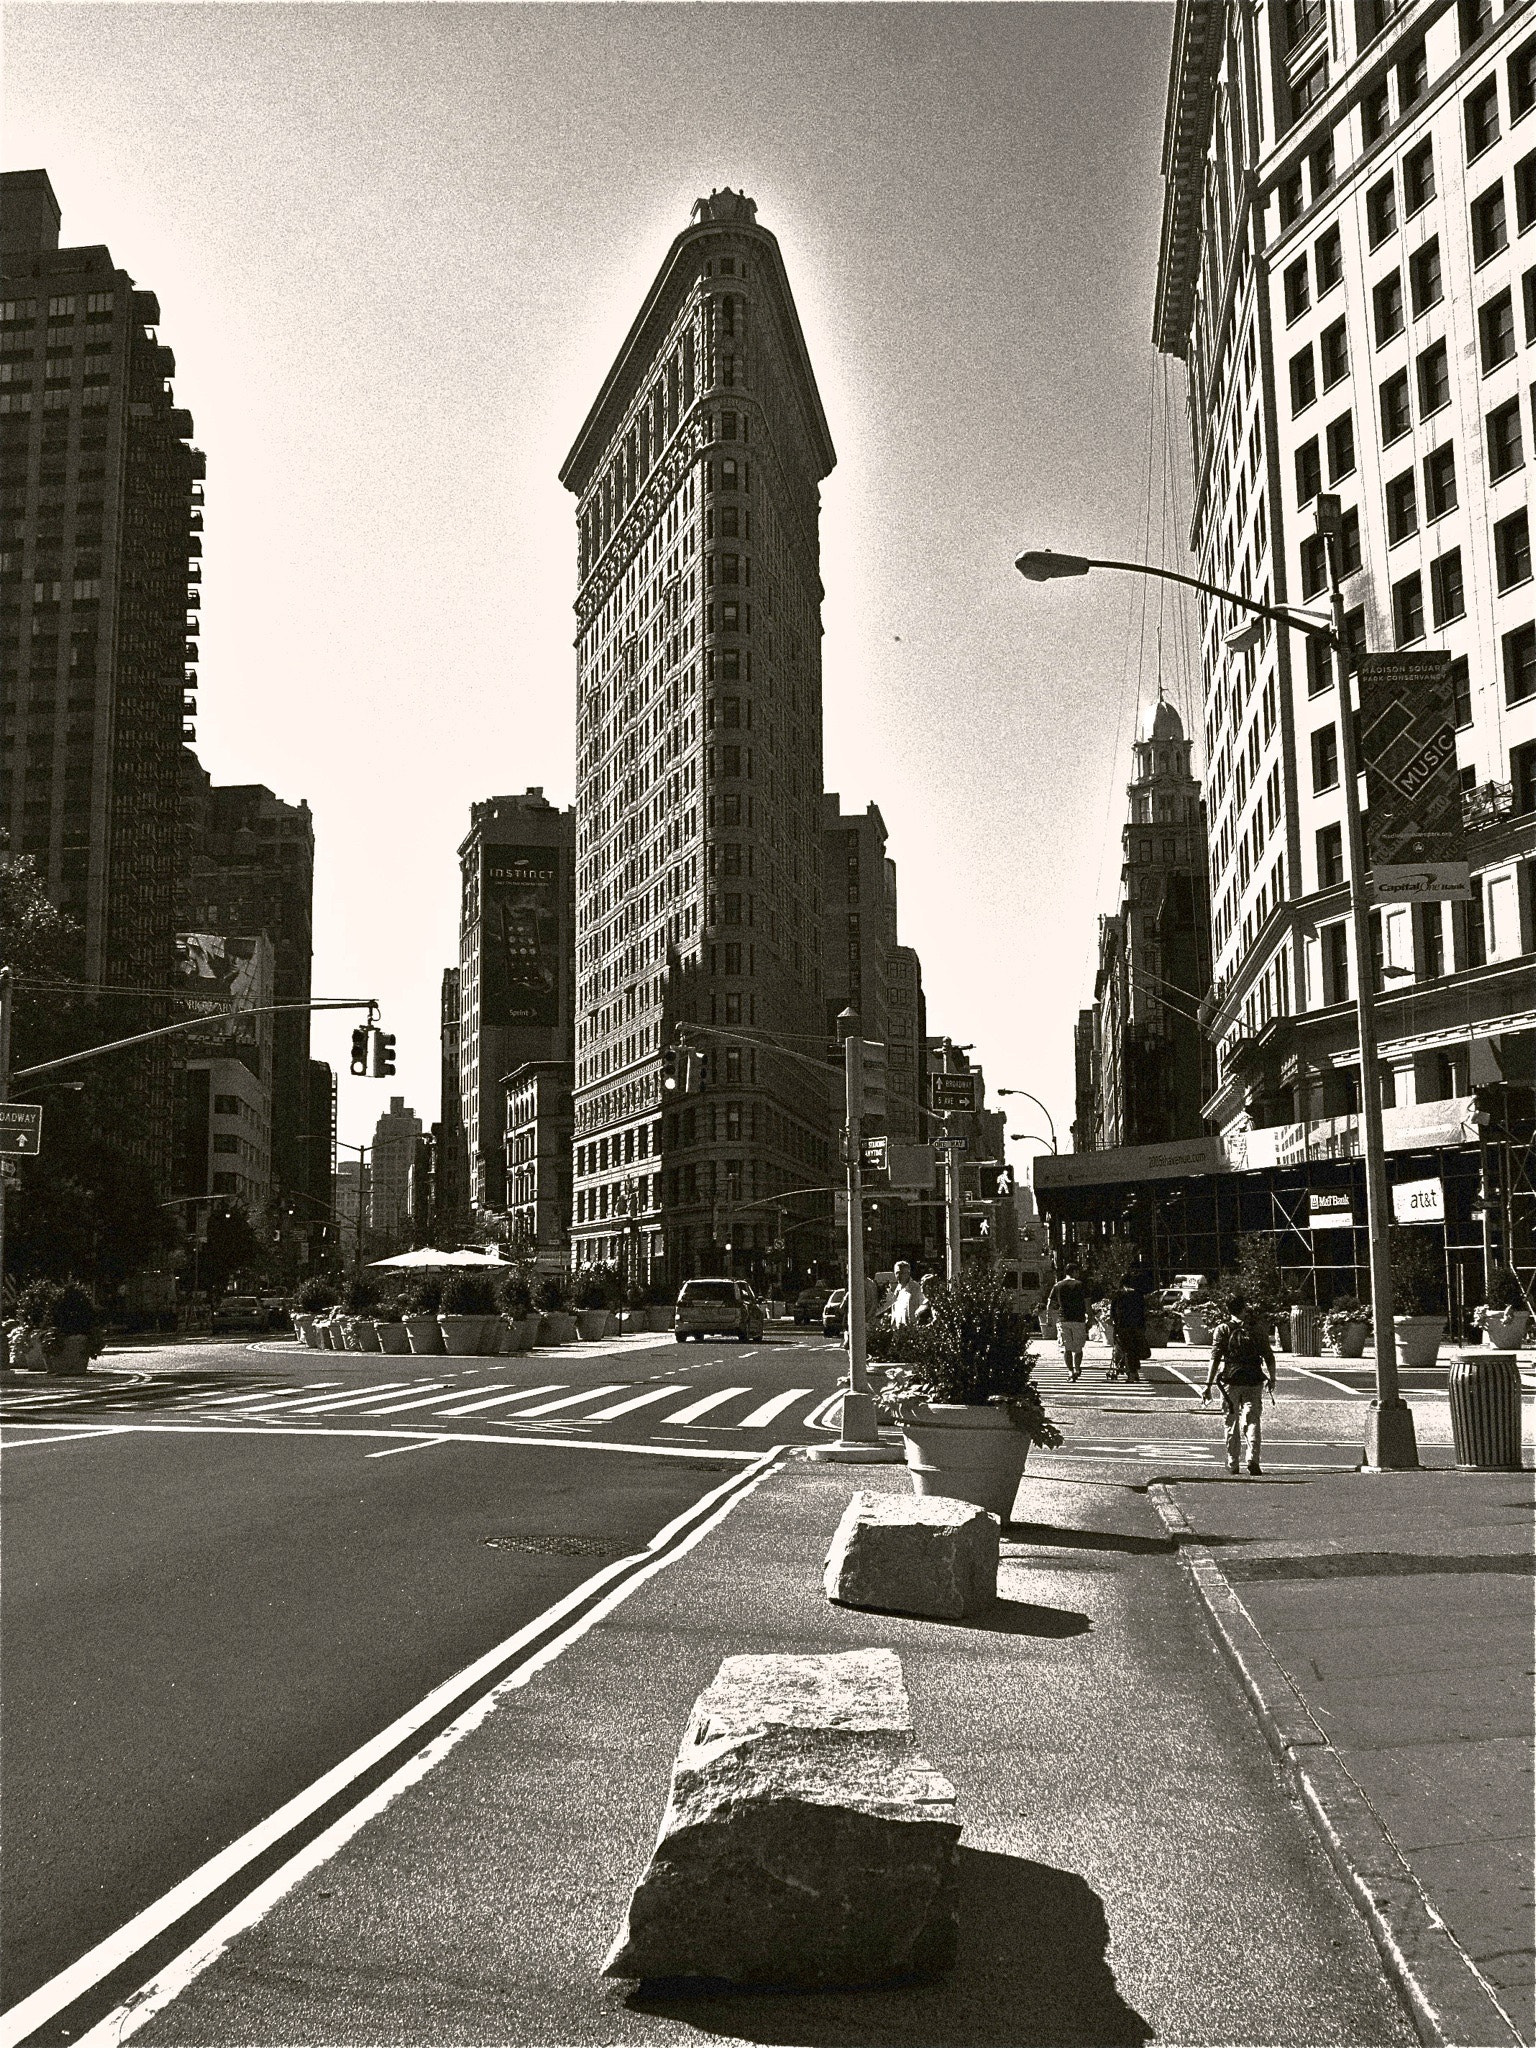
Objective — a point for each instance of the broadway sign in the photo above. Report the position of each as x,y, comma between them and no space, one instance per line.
1412,790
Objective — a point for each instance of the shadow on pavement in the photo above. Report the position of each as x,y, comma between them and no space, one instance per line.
1051,1535
1025,1618
1031,1973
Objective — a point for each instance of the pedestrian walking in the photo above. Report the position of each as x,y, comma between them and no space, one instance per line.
904,1299
1128,1330
927,1289
1242,1363
1068,1303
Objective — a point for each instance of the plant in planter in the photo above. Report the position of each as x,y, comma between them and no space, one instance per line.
1347,1325
551,1292
965,1400
359,1298
389,1325
1198,1312
59,1327
311,1301
1503,1318
422,1300
1418,1295
468,1317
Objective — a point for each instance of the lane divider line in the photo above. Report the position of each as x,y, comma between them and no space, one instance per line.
672,1541
73,1436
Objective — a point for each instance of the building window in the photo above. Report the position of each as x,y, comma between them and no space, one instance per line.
1504,444
1387,303
1290,199
1341,447
1447,594
1319,665
1431,941
1309,472
1330,856
1307,90
1512,549
1303,380
1381,210
1528,294
1418,174
1522,81
1525,192
1349,542
1489,231
1328,258
1298,294
1461,691
1440,482
1476,18
1480,112
1396,413
1434,378
1424,277
1333,353
1325,759
1407,610
1375,113
1303,18
1335,949
1314,566
1522,778
1496,331
1520,664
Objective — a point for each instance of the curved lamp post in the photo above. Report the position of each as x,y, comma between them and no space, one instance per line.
1050,1120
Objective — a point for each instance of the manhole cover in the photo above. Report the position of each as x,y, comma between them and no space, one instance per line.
555,1546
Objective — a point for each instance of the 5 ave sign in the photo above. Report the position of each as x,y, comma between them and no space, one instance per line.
21,1128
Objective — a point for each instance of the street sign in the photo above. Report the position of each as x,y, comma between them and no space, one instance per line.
949,1144
950,1092
872,1155
21,1128
1419,1201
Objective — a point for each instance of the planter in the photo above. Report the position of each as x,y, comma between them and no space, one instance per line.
464,1336
1418,1338
392,1338
26,1350
592,1323
974,1454
1506,1331
510,1337
423,1336
69,1355
1199,1322
557,1328
529,1326
366,1331
302,1321
1484,1389
1349,1342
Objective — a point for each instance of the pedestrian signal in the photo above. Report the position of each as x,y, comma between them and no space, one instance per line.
360,1049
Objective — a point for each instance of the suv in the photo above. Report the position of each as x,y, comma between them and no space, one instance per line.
809,1303
239,1312
718,1308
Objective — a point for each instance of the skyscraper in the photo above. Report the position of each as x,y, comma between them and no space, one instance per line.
698,810
98,612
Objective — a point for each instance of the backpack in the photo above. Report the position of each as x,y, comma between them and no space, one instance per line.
1242,1358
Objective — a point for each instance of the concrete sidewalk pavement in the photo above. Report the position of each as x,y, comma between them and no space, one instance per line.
1384,1627
1134,1867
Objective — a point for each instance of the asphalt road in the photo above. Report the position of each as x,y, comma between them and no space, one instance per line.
216,1590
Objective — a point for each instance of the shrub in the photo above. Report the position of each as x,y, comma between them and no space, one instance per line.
361,1295
390,1309
885,1344
513,1293
1418,1273
469,1294
1106,1264
315,1295
1345,1312
975,1352
550,1293
1258,1278
1502,1293
424,1294
56,1309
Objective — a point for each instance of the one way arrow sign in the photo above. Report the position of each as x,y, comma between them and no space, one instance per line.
21,1128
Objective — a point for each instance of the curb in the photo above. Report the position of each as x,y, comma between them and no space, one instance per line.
1447,1997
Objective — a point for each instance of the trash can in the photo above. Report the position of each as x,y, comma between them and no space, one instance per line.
1306,1330
1485,1410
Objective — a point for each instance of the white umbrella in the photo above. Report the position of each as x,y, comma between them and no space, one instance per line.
430,1256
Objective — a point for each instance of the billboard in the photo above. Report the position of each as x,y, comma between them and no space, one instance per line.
1413,792
520,936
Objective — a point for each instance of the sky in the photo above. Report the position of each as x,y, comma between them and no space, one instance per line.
396,249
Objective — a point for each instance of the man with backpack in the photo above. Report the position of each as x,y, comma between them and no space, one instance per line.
1242,1362
1068,1305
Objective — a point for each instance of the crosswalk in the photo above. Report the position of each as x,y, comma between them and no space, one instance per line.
478,1403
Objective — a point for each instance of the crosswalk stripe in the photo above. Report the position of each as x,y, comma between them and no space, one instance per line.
293,1397
502,1400
257,1393
569,1401
431,1401
697,1408
761,1417
645,1400
359,1400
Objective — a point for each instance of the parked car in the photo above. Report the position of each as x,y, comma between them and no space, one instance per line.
809,1303
718,1308
239,1312
834,1313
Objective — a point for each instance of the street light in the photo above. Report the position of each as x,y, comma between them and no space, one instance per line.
1050,1120
1390,1442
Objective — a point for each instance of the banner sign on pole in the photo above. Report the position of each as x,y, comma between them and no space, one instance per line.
1413,829
1331,1211
1419,1201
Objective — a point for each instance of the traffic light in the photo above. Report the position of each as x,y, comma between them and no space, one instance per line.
360,1049
865,1069
381,1053
682,1070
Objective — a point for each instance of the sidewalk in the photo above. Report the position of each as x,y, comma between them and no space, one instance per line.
1383,1625
1133,1868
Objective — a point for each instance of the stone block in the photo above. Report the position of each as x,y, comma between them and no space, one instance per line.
805,1842
914,1554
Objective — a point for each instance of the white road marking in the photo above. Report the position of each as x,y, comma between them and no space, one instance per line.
399,1407
569,1401
501,1400
645,1400
294,1397
422,1444
268,1432
697,1408
359,1400
62,1991
1357,1392
72,1436
1195,1385
761,1417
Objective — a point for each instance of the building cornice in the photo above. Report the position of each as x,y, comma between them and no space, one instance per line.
1186,132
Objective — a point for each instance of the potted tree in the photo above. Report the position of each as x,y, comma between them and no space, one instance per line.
389,1325
1503,1318
556,1324
965,1401
1199,1314
468,1313
312,1299
60,1327
1418,1295
1347,1325
423,1299
359,1299
515,1299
